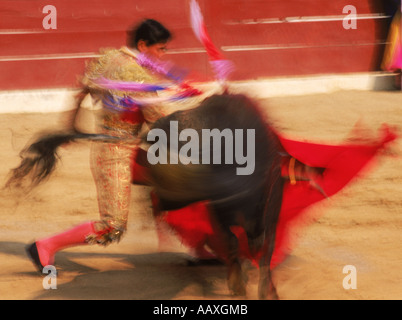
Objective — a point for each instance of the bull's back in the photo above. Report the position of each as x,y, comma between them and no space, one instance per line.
238,171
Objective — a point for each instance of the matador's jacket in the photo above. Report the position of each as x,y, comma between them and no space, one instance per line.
111,162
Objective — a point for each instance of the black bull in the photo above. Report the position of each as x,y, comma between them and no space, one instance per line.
251,201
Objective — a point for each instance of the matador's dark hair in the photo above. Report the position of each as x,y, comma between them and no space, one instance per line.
150,31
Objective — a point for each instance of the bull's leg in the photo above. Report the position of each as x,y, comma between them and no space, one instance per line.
236,283
223,219
266,287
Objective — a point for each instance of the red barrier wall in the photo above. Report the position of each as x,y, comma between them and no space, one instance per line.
264,38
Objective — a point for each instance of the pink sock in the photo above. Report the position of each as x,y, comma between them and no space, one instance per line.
48,247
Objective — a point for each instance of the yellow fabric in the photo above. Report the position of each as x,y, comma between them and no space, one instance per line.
111,162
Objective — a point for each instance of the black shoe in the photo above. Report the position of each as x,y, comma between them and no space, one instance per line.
32,252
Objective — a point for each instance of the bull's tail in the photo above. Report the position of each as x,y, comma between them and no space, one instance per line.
39,159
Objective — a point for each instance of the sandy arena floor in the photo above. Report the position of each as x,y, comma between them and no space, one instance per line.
360,226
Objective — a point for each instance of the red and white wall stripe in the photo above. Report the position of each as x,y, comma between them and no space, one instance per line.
264,38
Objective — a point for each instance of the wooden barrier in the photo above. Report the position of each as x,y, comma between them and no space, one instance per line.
264,38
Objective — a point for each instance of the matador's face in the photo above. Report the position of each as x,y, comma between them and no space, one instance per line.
156,50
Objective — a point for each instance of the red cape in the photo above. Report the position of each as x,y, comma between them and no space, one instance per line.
340,164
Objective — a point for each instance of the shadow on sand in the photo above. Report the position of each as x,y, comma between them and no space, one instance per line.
154,276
